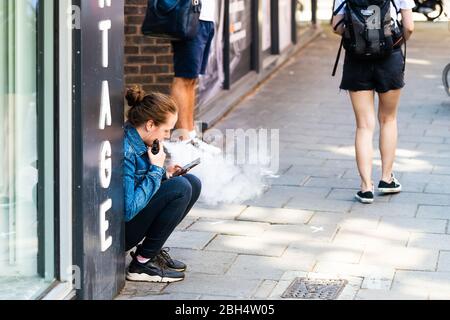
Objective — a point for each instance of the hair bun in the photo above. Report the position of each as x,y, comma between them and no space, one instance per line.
135,95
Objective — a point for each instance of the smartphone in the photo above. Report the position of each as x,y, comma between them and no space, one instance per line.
187,168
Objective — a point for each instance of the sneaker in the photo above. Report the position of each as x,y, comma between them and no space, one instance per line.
393,187
205,147
152,271
167,261
365,197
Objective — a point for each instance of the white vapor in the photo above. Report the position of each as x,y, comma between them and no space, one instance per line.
223,182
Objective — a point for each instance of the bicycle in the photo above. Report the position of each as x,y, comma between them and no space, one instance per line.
432,9
446,79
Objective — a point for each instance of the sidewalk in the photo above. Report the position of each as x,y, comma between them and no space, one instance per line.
308,224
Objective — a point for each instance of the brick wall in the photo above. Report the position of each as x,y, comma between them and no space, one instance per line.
147,61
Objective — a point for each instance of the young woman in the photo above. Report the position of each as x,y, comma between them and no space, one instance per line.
155,201
362,78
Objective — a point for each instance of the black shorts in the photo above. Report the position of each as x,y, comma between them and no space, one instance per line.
190,57
379,75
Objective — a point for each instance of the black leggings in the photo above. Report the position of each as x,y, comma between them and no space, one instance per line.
156,222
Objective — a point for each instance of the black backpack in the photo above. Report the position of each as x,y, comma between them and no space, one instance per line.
371,33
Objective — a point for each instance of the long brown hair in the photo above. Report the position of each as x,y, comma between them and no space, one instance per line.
153,106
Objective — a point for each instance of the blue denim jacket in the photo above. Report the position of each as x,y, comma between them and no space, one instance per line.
141,179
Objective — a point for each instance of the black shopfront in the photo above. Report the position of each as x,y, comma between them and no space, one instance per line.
61,115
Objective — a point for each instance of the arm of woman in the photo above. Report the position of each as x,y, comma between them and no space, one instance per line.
138,197
336,20
408,23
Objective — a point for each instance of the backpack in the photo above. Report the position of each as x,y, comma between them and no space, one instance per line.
369,33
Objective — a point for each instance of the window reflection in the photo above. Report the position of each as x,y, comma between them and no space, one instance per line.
19,222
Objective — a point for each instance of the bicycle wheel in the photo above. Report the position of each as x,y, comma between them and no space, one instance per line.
436,13
446,79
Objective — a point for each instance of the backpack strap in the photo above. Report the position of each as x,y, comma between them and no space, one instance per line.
400,25
335,12
338,57
395,6
404,56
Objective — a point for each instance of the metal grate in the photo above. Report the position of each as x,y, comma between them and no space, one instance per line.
322,289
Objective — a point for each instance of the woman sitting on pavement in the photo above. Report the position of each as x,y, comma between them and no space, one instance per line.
155,201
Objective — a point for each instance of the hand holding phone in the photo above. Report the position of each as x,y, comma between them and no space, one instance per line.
187,168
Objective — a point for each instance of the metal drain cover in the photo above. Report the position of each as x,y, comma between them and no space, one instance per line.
323,289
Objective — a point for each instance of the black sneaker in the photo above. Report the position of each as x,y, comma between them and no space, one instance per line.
364,197
152,271
167,261
393,187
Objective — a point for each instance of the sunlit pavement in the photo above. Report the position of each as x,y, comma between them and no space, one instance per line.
307,224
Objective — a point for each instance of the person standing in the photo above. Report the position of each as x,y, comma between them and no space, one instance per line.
190,59
362,78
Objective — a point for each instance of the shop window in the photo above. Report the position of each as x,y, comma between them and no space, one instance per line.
26,212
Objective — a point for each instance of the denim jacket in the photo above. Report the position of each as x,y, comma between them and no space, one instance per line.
141,179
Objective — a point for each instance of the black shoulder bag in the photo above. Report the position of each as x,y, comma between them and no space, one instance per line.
172,19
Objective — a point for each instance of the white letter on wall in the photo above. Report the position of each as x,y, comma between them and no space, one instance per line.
104,26
104,225
105,107
105,165
74,17
101,3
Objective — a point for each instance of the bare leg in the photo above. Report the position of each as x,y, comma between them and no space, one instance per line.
183,91
387,116
363,106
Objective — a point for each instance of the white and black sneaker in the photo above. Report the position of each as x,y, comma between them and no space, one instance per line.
152,271
392,187
365,197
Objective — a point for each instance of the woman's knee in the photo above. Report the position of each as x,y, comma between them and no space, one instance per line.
194,181
363,106
185,82
388,106
182,186
386,118
366,124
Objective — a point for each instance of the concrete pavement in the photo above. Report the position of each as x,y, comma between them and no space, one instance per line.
307,223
